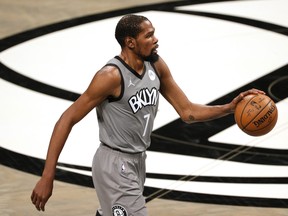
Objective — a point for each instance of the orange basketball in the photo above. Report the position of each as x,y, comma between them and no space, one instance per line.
256,115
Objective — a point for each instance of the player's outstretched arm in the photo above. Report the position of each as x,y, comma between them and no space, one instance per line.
207,113
188,111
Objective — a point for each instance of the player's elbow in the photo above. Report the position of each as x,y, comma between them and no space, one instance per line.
188,117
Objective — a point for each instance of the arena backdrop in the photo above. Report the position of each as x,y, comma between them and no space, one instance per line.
215,49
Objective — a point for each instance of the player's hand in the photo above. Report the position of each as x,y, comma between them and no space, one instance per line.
41,193
237,99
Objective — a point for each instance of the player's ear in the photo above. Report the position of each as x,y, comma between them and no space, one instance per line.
130,42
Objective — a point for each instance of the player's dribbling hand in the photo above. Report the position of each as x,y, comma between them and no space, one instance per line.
237,99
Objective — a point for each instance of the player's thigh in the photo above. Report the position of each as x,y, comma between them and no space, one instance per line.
117,182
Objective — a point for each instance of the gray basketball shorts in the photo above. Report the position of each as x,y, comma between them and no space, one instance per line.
119,182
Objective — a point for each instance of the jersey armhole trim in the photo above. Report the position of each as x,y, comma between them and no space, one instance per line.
111,98
153,66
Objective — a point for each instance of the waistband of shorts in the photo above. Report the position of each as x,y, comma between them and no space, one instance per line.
118,151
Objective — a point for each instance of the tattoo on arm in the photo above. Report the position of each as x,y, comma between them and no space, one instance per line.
191,118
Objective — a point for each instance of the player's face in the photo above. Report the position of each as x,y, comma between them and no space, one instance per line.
146,42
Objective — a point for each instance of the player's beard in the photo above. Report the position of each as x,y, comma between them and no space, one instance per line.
153,57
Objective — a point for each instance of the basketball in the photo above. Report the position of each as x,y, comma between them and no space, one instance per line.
256,115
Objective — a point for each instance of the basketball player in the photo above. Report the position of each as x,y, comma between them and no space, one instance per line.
125,93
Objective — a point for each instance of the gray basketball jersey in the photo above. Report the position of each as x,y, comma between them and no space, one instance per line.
125,123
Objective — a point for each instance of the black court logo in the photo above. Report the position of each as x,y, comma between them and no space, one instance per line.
118,210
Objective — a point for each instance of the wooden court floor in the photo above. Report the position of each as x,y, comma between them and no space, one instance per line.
68,199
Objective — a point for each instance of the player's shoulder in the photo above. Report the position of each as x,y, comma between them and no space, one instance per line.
106,77
110,71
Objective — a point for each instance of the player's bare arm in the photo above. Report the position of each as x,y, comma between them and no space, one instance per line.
188,111
105,83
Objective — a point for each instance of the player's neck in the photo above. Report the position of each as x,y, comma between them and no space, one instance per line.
133,61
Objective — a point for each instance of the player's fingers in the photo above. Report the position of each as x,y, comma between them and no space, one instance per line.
245,93
38,201
42,205
255,91
36,204
33,197
237,99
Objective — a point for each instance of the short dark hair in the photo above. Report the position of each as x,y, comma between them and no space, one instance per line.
128,26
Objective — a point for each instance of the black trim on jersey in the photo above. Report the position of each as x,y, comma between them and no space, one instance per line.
111,98
140,76
156,71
